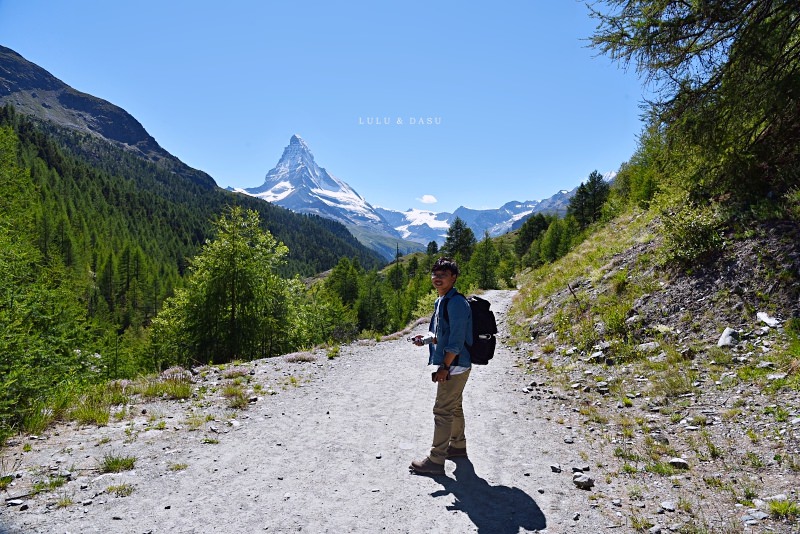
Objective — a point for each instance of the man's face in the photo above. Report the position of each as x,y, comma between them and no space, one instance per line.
443,281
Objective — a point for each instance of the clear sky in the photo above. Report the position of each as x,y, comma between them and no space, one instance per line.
519,106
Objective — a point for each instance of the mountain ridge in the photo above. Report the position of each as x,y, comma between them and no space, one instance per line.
298,183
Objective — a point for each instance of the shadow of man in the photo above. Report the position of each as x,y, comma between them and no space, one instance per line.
493,509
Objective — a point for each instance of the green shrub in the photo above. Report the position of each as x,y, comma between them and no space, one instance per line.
691,234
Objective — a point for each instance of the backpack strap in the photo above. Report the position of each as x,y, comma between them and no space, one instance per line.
445,302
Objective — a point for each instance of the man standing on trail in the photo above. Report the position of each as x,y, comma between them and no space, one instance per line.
450,330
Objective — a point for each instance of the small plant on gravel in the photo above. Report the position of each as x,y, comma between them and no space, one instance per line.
64,500
177,467
120,414
27,447
112,463
121,490
49,485
748,495
237,398
160,425
684,505
593,414
753,435
784,509
173,383
629,469
235,372
305,357
713,450
780,414
332,352
636,493
640,523
660,468
754,460
195,421
210,441
626,454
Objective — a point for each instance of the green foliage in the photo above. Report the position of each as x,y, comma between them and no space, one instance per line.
691,234
460,242
234,306
723,76
111,463
530,230
343,281
120,490
784,509
586,206
40,316
483,264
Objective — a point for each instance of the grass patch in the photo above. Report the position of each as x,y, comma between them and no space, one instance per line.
753,459
195,421
121,490
174,383
784,509
48,485
177,467
237,398
235,372
626,454
64,501
116,464
333,352
660,468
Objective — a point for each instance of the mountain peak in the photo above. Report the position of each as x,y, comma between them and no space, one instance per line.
299,184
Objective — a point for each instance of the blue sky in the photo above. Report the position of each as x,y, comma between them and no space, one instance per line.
519,106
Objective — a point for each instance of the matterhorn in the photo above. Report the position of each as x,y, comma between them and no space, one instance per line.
297,183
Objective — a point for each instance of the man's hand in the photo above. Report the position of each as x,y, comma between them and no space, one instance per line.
440,375
423,340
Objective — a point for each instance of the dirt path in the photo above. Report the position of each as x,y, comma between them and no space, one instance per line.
329,455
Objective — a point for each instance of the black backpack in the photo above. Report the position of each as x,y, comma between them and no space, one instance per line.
484,329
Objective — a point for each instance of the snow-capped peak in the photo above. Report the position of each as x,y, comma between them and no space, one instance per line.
299,184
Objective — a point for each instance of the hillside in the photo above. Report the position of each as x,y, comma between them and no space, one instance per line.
671,412
96,134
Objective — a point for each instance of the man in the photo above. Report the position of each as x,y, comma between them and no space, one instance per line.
449,331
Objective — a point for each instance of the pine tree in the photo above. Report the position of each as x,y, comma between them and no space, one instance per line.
460,241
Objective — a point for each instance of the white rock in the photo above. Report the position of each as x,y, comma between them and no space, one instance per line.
767,320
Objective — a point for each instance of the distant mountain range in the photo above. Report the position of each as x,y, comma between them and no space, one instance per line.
299,184
296,183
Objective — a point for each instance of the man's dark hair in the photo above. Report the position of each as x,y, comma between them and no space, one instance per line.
445,264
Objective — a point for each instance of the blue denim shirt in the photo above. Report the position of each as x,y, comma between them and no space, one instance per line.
451,335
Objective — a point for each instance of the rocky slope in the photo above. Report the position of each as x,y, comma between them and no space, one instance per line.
697,431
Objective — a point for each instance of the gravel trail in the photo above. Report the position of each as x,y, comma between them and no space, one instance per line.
329,452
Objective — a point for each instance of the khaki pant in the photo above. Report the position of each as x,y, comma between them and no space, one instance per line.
448,417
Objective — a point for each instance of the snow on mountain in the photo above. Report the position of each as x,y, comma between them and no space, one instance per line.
299,184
